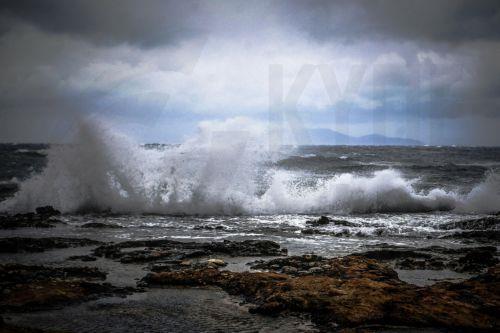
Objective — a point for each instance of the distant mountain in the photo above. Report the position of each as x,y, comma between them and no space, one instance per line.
324,136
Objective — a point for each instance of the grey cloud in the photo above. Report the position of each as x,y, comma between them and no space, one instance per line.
107,22
450,21
160,22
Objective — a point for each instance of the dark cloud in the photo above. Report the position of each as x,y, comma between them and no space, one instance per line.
108,22
160,22
48,47
450,21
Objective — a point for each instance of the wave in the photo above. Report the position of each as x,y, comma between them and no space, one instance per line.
219,171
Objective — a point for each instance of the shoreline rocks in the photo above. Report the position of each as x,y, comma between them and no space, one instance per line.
24,244
27,288
98,225
175,252
43,217
484,223
472,259
352,291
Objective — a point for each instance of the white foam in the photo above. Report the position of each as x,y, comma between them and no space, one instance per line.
222,170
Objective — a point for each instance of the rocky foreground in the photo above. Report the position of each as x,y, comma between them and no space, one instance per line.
355,292
352,291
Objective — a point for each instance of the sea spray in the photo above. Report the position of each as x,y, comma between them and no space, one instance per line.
226,169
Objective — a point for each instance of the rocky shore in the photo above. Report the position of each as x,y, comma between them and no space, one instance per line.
351,292
357,292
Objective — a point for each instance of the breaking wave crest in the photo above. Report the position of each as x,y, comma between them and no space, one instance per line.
219,171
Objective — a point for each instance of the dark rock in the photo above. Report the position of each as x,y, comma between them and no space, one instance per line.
475,261
99,225
386,254
22,244
344,223
468,259
47,211
484,223
324,266
310,231
353,292
323,220
83,258
43,218
26,288
9,328
169,250
209,227
477,235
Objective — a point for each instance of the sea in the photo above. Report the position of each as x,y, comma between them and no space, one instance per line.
386,194
232,186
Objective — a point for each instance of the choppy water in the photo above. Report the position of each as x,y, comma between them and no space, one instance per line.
230,186
231,178
387,194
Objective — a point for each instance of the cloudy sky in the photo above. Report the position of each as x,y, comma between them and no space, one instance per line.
427,70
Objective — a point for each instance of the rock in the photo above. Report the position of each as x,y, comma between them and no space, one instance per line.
99,225
323,220
83,258
47,211
484,223
476,260
310,231
468,259
174,251
330,267
314,270
22,244
386,254
208,227
41,287
217,262
9,328
45,219
344,223
289,270
356,292
186,263
477,235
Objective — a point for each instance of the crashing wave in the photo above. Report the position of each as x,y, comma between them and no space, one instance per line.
219,171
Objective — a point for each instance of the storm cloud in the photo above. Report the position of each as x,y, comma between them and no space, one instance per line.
156,68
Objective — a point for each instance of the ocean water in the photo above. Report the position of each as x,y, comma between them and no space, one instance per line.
232,180
225,184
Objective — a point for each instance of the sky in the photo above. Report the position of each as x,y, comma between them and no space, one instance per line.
425,70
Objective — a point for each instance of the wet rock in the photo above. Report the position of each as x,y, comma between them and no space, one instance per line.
23,244
392,254
26,288
330,267
83,258
9,328
17,273
169,250
484,223
45,217
99,225
323,220
289,270
355,292
315,270
468,259
477,235
344,223
217,262
209,227
311,231
47,211
475,260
